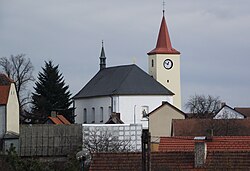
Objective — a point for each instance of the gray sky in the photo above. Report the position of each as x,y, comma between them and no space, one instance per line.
213,38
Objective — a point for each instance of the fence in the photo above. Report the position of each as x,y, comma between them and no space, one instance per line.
49,140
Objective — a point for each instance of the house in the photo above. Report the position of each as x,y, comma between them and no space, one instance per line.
160,120
226,112
9,113
126,89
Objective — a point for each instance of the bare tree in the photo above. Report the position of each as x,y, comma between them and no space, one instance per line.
19,69
103,140
203,107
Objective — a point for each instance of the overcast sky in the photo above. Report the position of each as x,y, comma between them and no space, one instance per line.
213,37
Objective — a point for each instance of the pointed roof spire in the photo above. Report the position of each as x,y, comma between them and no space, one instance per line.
102,58
163,45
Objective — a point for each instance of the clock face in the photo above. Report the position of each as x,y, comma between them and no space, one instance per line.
168,64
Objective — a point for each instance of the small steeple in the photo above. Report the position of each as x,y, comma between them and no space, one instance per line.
102,58
163,45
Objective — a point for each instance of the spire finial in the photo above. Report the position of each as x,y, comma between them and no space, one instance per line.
102,58
163,7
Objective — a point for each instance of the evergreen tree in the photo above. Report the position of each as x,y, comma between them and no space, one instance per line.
51,94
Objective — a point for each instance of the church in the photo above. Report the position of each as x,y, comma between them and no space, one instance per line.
128,91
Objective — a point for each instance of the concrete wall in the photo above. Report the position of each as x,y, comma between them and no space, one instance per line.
130,133
49,140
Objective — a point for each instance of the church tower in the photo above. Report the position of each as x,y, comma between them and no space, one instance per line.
164,63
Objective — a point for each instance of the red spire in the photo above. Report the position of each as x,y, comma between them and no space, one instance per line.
163,45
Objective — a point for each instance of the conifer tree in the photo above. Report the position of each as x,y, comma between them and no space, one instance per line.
51,94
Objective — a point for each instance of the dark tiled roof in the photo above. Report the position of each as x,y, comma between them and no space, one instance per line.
221,143
244,110
203,127
4,80
122,80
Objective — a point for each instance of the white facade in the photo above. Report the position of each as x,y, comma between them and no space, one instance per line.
130,108
228,113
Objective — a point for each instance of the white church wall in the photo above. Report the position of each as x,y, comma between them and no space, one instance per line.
97,106
131,107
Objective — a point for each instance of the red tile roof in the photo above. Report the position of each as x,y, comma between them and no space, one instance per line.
55,120
217,160
59,119
223,143
4,94
63,119
163,45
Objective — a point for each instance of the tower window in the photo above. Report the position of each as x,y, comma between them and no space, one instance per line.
167,81
152,63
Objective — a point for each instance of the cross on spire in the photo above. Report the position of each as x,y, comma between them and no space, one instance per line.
163,7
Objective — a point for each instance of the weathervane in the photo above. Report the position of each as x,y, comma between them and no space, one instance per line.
163,6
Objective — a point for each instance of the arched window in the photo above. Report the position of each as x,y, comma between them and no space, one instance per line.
93,115
152,63
101,114
84,115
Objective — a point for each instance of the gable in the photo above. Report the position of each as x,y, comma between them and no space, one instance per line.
227,112
122,80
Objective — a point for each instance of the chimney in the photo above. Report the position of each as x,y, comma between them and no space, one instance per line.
53,114
200,151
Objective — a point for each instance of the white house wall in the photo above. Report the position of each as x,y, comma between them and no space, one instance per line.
131,107
12,111
228,113
89,104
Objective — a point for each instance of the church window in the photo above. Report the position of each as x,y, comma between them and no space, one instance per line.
101,114
84,115
93,115
110,110
152,63
167,81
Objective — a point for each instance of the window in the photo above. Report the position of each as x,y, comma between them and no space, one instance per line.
152,63
84,115
93,115
110,110
101,114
